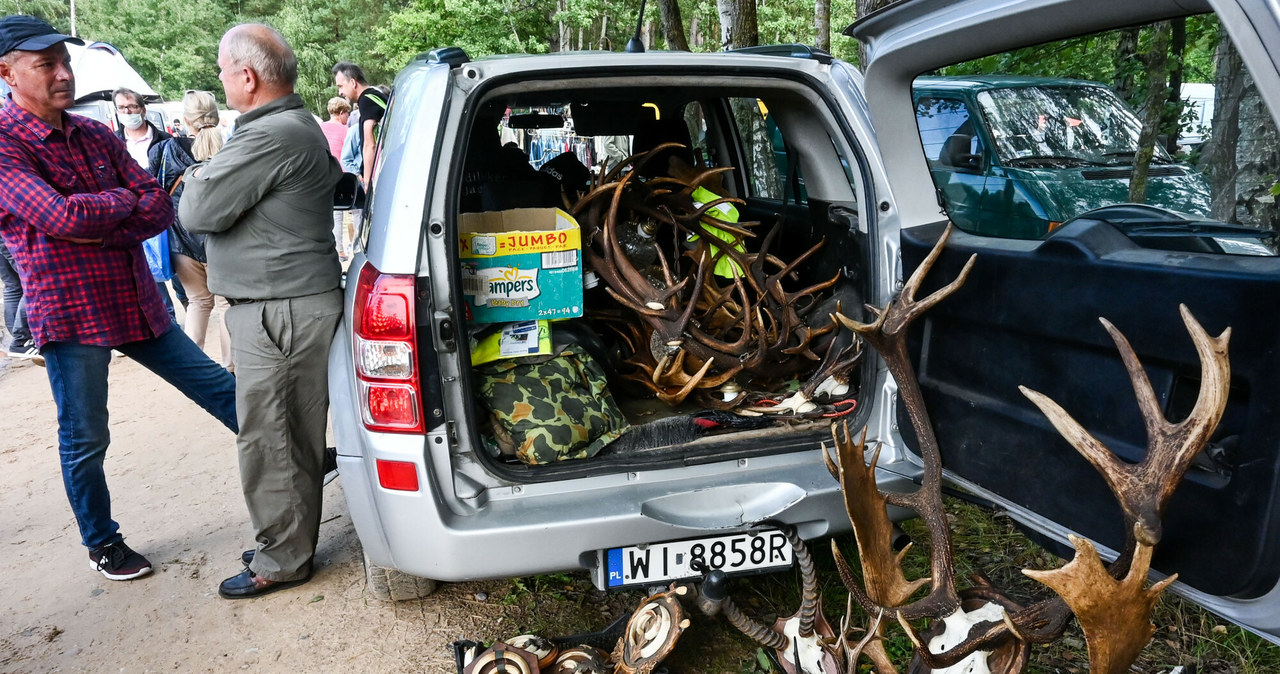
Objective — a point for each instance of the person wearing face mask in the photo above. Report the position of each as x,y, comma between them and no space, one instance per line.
138,134
139,137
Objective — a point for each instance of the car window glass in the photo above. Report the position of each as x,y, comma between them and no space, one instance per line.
1099,121
772,170
938,120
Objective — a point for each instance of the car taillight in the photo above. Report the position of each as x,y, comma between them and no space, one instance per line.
385,343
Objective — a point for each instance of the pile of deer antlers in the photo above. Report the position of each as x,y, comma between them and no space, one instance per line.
978,628
696,330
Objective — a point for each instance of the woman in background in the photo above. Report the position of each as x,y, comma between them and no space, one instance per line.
168,160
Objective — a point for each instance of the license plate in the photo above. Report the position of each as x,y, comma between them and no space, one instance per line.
764,550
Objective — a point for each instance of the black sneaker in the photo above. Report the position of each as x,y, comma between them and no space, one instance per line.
117,561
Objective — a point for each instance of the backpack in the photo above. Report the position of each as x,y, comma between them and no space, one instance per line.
174,160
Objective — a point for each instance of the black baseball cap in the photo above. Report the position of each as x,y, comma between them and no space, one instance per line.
27,33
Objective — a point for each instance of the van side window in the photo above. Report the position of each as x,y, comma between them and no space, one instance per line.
939,119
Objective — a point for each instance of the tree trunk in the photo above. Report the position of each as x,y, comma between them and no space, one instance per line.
1126,64
822,24
865,7
562,31
738,23
1157,66
1240,156
1170,126
1258,160
604,33
758,148
1218,156
673,25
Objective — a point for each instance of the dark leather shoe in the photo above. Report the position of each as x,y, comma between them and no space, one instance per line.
247,556
246,585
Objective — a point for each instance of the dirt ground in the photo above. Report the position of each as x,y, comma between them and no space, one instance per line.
176,493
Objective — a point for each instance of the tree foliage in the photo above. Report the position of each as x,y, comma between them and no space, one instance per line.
173,44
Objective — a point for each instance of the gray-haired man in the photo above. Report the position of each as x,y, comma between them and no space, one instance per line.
265,201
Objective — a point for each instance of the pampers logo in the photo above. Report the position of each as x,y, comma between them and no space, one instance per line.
507,286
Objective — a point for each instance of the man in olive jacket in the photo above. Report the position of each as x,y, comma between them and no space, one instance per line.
265,200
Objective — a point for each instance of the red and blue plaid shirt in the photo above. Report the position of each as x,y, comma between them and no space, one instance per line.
80,182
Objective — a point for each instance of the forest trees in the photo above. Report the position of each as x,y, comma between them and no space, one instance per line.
173,43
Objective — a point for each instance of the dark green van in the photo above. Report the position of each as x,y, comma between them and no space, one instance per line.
1016,156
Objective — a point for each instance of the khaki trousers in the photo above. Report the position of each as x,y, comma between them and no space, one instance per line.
281,351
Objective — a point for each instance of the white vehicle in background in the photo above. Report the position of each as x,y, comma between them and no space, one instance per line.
1197,116
172,111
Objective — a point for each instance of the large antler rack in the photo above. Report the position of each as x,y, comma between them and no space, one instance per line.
700,330
887,334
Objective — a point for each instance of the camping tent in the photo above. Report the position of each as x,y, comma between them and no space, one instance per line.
101,69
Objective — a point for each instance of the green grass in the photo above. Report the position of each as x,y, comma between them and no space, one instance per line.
986,542
990,543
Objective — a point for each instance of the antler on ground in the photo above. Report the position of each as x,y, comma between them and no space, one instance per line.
1115,614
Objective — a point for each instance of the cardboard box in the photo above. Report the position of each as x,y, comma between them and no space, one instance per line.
522,264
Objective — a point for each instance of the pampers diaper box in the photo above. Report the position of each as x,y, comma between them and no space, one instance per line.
521,264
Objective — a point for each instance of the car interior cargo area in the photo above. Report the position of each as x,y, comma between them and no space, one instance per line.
658,273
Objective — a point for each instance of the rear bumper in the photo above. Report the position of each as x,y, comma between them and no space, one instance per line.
532,529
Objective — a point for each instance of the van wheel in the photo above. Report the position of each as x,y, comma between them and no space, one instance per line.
392,585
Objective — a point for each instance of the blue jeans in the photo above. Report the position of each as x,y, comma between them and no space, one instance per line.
168,301
78,378
15,303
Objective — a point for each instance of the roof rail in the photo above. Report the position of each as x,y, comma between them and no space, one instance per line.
800,51
453,56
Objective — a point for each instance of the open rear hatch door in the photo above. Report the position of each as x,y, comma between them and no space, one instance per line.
1028,315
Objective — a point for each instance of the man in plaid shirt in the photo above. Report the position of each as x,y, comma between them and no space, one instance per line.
74,212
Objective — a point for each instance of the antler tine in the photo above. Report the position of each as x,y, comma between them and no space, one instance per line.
1188,436
906,308
917,307
1143,489
591,196
639,161
692,183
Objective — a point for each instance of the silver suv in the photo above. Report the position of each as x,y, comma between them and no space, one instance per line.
427,495
807,154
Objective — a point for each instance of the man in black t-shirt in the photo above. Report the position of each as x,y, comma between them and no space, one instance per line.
349,78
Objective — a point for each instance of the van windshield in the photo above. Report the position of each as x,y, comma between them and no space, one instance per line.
1057,126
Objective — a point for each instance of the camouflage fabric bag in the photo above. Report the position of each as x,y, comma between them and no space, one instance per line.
550,410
